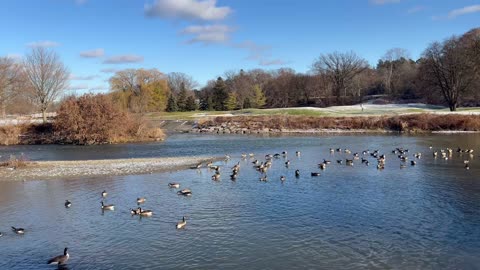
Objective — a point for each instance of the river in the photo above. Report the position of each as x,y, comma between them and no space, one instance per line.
350,217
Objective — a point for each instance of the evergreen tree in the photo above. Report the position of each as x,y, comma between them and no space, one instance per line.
210,103
231,102
171,104
220,95
259,96
190,104
182,98
246,103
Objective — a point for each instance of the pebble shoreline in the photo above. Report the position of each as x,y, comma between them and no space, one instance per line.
44,170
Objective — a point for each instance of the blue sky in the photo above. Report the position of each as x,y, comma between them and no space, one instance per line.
205,38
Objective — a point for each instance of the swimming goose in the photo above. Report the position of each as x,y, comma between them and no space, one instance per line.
1,234
251,155
173,185
467,167
198,166
264,179
185,192
322,166
145,213
413,163
298,153
339,161
68,204
282,178
61,259
141,200
233,176
107,206
135,211
216,177
244,156
315,174
182,223
18,230
104,194
297,173
326,161
287,163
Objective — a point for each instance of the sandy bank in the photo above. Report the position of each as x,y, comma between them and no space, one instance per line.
42,170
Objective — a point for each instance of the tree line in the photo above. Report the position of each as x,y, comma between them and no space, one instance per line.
447,73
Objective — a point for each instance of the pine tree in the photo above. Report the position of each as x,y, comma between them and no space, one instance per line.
246,103
259,96
190,104
171,104
231,102
182,98
220,95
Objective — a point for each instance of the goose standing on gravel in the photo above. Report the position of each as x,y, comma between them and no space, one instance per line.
104,194
182,223
68,204
18,230
61,259
107,206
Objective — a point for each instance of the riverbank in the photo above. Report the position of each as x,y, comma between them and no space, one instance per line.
410,123
44,170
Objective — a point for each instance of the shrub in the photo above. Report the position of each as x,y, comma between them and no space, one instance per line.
94,119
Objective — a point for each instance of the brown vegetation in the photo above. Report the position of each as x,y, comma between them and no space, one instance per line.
402,123
15,162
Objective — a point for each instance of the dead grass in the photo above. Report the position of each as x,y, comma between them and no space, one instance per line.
404,123
15,162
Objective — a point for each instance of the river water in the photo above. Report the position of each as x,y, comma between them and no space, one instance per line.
350,217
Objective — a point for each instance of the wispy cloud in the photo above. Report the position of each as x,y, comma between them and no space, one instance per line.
109,70
43,44
98,88
96,53
78,87
83,78
259,53
192,10
80,2
123,59
463,11
415,9
206,34
272,62
383,2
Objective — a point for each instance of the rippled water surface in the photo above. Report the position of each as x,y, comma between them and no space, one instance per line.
419,217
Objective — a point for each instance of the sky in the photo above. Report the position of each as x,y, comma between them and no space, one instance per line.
206,38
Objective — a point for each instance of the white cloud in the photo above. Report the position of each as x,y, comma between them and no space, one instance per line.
78,87
463,11
205,10
109,70
96,53
98,88
123,59
83,78
383,2
215,33
43,44
272,62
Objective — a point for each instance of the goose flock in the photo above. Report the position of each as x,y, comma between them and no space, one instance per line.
349,158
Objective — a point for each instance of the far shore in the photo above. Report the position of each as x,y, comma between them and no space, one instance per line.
45,170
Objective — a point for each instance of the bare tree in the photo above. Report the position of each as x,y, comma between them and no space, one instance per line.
11,80
47,75
340,68
446,67
389,67
176,79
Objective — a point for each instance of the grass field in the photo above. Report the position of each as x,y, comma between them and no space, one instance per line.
336,111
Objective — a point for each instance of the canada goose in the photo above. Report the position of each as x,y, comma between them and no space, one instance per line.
251,155
141,200
185,192
233,176
198,166
182,223
18,230
264,178
244,155
287,163
349,162
380,166
107,206
68,204
331,150
326,161
339,161
322,166
297,173
173,185
282,178
104,194
367,163
467,167
1,234
315,174
298,153
135,211
284,153
216,177
145,213
413,163
61,259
